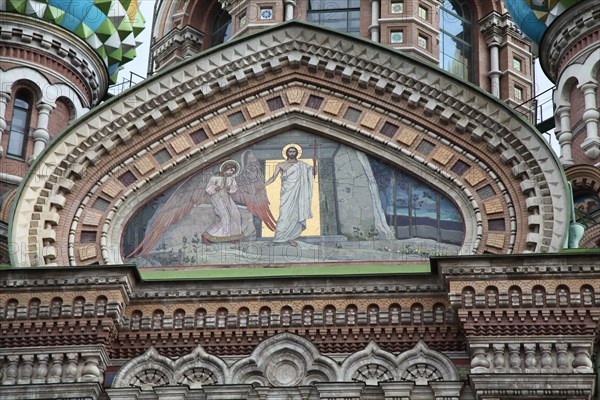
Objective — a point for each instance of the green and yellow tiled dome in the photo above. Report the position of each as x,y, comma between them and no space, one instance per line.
534,16
109,26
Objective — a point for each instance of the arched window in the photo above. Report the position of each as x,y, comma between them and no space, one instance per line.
101,302
179,318
157,319
456,38
221,28
243,314
34,308
200,318
329,315
19,126
78,304
136,320
343,15
56,307
265,316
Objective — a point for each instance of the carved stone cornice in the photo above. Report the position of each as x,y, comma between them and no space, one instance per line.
60,44
287,360
550,386
177,45
578,21
55,365
495,27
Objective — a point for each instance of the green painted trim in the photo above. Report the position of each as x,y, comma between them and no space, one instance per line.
581,251
286,272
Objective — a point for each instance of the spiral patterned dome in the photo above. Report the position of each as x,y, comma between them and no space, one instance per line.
110,27
534,16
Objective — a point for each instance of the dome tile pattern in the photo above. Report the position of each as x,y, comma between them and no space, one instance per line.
111,27
534,16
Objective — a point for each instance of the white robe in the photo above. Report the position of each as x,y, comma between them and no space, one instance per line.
295,201
228,221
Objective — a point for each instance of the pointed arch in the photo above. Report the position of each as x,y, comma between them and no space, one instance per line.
146,371
423,365
370,365
285,360
402,102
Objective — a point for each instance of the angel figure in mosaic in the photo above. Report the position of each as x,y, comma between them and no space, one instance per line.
232,187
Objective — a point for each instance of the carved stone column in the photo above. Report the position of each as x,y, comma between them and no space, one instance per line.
374,28
26,369
41,371
564,134
4,99
41,135
290,7
492,29
591,145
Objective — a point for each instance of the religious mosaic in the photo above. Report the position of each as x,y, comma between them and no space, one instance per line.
294,198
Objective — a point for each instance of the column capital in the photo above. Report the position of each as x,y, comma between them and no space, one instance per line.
4,97
44,107
589,85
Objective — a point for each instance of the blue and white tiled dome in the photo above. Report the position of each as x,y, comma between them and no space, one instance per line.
534,16
110,27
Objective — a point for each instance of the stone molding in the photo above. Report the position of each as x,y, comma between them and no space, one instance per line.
177,45
472,111
33,366
287,360
495,27
48,92
47,38
531,355
71,391
551,386
575,23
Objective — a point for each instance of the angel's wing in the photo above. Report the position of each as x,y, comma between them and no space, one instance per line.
251,191
189,193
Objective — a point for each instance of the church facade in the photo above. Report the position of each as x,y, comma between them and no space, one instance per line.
305,213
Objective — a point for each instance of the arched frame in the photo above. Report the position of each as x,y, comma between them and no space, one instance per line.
467,124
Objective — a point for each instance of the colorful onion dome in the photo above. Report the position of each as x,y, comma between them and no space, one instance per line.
110,27
534,16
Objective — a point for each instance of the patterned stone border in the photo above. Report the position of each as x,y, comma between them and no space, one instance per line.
293,44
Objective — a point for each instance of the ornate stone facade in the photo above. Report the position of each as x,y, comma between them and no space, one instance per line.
380,337
383,320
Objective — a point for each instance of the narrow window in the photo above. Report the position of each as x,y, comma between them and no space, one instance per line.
423,13
221,28
343,15
518,93
517,64
456,38
422,42
19,127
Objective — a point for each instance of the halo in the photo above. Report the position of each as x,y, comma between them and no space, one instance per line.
238,168
287,146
